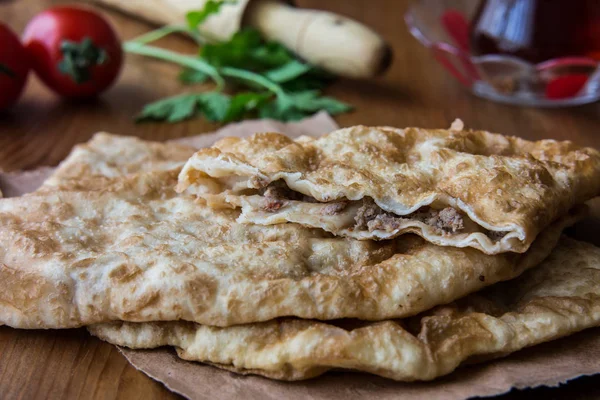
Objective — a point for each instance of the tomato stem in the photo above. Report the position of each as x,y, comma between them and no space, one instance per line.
78,58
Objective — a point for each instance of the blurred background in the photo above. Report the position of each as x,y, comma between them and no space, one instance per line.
416,90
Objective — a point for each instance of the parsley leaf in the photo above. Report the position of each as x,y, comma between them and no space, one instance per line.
314,79
331,105
220,107
237,52
171,109
287,72
214,105
243,104
273,83
196,18
271,55
283,109
246,49
191,76
295,106
312,101
184,109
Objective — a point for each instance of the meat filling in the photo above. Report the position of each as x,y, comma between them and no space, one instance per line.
368,212
334,207
277,194
369,216
496,235
279,190
449,219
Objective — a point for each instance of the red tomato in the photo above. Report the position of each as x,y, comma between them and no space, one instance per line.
14,67
73,50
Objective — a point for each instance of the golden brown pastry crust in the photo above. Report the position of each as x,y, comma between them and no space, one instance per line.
137,251
555,299
110,156
52,287
129,248
504,184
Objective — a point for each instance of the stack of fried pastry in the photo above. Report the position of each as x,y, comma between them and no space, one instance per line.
398,252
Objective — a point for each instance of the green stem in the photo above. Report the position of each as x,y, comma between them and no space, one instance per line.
253,77
168,55
165,31
138,47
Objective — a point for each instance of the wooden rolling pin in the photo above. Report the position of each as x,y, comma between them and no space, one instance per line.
338,44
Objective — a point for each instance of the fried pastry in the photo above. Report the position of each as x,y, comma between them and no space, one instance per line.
452,187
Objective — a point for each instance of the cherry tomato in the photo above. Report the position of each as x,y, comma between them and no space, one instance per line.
14,67
73,50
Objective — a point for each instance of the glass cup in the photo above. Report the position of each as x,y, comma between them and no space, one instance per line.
525,52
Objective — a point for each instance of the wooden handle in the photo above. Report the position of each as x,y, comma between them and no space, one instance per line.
221,26
336,43
162,12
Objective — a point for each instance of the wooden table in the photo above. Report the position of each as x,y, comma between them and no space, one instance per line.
42,129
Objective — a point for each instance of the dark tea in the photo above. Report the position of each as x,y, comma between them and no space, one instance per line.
537,30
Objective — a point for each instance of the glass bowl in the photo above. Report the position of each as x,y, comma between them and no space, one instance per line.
443,27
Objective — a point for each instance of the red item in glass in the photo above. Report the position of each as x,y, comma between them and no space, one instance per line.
537,30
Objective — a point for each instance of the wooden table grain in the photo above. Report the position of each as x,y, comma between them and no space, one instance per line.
42,129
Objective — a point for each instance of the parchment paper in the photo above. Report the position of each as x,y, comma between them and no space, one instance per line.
17,183
545,365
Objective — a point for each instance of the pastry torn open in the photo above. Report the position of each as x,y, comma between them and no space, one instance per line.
97,249
452,187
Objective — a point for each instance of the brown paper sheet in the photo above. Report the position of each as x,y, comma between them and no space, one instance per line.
548,364
14,184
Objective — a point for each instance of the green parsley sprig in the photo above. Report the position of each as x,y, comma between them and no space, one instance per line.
268,80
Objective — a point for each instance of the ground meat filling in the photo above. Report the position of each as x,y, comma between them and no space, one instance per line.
335,207
371,217
496,235
449,219
367,213
277,194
